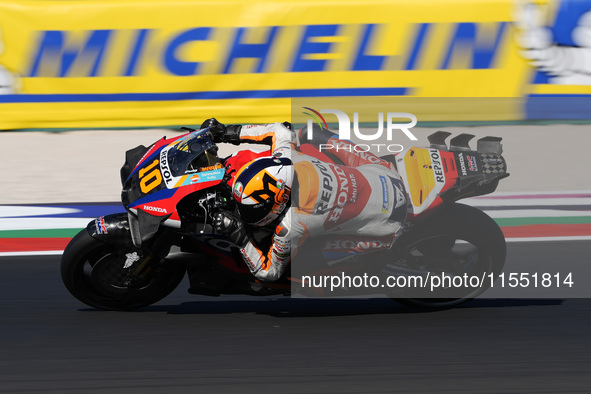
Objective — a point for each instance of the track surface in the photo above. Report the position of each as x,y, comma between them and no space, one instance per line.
50,342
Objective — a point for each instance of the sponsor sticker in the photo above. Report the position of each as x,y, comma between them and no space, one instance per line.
436,166
399,196
238,188
164,169
385,194
327,186
248,261
131,258
361,246
472,163
154,209
462,162
281,248
211,168
205,177
101,227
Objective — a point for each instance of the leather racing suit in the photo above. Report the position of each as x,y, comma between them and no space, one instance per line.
364,196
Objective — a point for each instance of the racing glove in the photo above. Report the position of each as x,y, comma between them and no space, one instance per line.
221,132
226,223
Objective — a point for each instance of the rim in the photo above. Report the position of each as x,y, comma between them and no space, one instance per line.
449,256
108,274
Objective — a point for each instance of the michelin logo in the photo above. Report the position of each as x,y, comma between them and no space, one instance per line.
562,51
8,81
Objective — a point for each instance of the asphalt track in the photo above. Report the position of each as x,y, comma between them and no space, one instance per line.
52,343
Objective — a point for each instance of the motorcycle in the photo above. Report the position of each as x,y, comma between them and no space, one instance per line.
130,260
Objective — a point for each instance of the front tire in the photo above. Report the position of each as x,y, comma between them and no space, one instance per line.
106,275
459,240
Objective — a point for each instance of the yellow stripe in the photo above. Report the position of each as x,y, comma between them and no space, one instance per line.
561,89
142,114
180,182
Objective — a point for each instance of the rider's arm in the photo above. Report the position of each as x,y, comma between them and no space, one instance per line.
276,135
264,265
268,266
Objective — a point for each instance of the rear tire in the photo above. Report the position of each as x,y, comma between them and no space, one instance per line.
480,252
94,272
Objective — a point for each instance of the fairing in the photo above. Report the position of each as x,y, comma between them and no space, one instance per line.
438,173
164,174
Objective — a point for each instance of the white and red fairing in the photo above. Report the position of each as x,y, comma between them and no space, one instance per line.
426,173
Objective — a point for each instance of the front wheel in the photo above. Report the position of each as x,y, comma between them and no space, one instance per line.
116,276
459,242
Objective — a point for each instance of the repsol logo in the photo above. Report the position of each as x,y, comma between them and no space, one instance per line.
327,183
436,166
164,166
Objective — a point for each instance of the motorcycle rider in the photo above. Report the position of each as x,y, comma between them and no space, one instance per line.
362,196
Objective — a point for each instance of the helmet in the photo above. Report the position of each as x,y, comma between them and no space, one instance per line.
262,188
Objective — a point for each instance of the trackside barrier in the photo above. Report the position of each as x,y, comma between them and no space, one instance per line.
145,63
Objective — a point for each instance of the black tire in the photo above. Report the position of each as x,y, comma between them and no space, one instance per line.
93,272
483,252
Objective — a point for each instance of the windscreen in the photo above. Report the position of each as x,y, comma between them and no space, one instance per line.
195,153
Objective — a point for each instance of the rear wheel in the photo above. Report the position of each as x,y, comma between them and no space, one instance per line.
461,243
116,276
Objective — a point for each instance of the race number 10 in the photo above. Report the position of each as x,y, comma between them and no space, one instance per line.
149,180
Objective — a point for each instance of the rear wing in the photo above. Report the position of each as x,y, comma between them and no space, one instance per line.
441,174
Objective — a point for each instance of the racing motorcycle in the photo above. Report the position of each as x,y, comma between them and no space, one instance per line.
133,259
